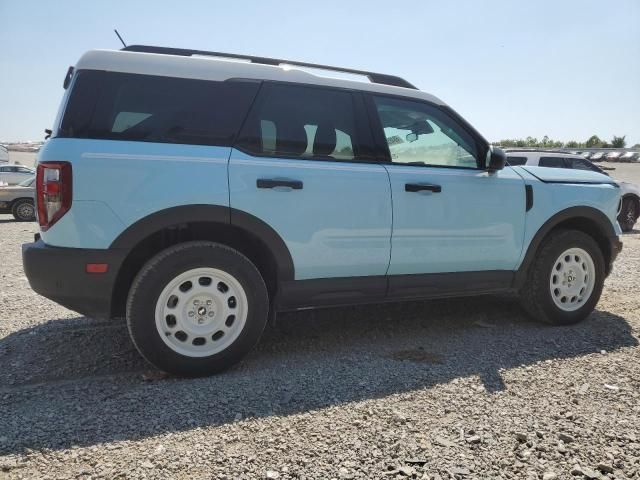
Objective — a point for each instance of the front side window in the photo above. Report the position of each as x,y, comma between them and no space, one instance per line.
301,122
420,134
552,162
122,106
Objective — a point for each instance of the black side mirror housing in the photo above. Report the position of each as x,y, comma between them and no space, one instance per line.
496,159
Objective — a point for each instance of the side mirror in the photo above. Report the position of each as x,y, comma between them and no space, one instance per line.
496,159
411,137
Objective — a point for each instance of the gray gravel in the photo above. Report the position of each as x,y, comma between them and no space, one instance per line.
458,389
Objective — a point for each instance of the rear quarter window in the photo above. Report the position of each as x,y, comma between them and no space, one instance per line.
513,161
552,162
123,106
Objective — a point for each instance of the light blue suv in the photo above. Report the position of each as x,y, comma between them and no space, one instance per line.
197,195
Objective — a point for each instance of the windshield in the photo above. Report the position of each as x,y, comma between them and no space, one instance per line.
27,182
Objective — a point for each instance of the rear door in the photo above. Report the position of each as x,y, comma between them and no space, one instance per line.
303,164
449,213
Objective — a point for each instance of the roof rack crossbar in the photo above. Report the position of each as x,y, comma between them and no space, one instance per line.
380,78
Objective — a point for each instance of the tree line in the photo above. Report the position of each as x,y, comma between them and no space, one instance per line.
593,142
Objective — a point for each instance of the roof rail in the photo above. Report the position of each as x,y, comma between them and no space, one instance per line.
538,150
380,78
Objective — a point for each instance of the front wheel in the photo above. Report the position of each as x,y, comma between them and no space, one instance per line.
565,281
24,211
197,308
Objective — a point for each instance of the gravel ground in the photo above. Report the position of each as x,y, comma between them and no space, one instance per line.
458,389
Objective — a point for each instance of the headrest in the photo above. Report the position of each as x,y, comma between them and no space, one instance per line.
325,141
291,139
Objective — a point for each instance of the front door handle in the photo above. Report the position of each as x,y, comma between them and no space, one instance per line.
420,187
274,183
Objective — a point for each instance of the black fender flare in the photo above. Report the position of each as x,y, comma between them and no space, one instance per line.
591,214
180,215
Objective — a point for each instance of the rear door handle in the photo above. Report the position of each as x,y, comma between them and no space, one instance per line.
420,187
274,183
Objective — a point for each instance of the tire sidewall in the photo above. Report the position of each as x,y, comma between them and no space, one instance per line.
151,281
627,203
547,263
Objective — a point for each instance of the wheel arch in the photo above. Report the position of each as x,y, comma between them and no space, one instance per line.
235,228
16,200
589,220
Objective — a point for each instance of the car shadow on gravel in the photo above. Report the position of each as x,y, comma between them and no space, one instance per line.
81,382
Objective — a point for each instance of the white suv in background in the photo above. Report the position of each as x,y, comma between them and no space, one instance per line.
630,204
4,154
14,174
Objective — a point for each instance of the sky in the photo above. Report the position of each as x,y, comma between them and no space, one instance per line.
563,68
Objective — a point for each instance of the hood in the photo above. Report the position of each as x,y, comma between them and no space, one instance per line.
566,175
630,187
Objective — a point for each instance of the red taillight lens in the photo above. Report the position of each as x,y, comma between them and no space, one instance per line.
53,192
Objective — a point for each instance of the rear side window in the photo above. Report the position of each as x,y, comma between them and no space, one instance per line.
513,161
122,106
553,162
301,122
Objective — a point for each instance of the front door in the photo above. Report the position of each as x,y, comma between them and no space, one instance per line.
449,213
300,166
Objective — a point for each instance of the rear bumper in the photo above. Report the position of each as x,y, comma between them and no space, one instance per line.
59,274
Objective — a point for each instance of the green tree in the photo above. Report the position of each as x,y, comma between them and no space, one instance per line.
594,142
572,144
619,142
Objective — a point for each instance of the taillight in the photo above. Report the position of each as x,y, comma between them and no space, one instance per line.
53,191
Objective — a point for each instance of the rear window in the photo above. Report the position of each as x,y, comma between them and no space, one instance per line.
516,160
553,162
122,106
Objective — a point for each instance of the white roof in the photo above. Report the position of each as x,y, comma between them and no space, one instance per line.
536,154
219,69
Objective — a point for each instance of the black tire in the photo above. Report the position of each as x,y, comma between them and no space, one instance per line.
536,296
23,210
628,214
165,266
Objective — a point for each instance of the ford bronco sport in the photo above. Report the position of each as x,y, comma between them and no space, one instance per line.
197,195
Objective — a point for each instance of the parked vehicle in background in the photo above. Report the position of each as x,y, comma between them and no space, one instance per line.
19,200
630,199
197,196
613,156
4,154
597,157
14,174
586,155
627,157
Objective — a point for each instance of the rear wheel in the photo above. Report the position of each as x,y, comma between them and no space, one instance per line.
24,211
566,279
197,308
628,214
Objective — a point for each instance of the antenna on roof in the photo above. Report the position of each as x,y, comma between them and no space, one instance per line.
123,44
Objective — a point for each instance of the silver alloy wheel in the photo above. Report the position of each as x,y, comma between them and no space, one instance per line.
201,312
25,211
572,279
